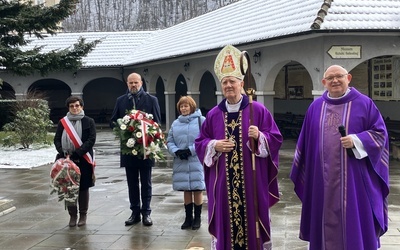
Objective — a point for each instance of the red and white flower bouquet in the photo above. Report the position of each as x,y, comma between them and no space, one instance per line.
140,136
65,177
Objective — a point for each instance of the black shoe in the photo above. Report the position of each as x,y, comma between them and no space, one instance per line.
135,218
147,220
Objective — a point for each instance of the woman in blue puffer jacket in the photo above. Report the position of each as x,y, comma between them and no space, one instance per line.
188,174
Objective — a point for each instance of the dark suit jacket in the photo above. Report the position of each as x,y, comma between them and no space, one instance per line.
148,104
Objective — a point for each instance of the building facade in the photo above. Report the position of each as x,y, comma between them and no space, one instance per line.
290,46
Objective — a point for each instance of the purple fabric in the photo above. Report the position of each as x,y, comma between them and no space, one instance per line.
344,199
266,178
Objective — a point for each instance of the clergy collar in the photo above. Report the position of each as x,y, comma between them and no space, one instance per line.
243,104
345,94
350,95
233,107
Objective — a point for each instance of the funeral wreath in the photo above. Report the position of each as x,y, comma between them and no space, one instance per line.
140,135
65,177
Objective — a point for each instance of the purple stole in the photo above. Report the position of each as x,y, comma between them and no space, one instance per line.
229,181
235,182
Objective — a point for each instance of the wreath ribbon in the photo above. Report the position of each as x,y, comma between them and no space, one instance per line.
145,123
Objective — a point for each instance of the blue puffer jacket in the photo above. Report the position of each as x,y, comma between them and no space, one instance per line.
187,174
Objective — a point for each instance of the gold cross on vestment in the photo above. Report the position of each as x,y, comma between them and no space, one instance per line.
233,124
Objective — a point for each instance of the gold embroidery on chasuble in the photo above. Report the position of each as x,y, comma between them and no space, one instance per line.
235,182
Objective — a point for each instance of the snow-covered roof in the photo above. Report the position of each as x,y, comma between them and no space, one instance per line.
242,22
256,20
114,46
363,15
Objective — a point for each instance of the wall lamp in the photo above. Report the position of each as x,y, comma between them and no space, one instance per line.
145,71
186,66
257,56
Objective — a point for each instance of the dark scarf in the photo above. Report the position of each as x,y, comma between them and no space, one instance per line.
135,97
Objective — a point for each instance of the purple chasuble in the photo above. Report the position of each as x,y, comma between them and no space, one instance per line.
344,199
229,181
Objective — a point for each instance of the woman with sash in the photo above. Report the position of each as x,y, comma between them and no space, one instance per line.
75,137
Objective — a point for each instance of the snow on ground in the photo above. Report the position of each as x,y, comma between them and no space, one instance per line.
14,158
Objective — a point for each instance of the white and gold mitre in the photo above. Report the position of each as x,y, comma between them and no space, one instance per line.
228,63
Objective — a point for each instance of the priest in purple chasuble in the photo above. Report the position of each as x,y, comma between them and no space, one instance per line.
342,181
223,147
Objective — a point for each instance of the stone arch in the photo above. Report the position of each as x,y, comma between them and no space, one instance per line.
100,95
160,89
181,89
170,79
55,92
293,87
7,91
207,89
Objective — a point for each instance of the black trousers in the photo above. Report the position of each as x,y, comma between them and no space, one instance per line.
138,169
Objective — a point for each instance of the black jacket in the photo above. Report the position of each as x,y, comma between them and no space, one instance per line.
147,103
88,137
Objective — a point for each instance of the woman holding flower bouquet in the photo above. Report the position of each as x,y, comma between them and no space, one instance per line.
188,174
74,129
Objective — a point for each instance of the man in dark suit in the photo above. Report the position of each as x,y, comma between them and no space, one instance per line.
137,98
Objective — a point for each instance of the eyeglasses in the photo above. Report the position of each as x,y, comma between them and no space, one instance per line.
339,77
74,106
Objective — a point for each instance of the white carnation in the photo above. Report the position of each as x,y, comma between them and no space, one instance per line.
130,143
126,119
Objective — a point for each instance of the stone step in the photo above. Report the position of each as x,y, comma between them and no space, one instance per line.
6,206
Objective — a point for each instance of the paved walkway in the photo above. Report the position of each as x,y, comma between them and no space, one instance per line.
39,221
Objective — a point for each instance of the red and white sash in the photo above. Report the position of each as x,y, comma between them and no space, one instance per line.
144,124
76,140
